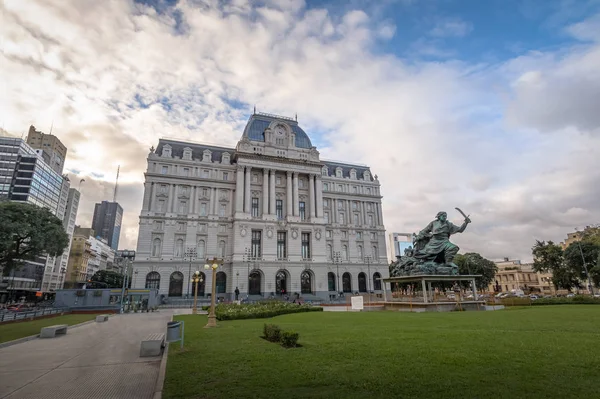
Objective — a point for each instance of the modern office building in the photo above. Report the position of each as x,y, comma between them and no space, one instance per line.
108,217
26,177
398,243
50,147
282,220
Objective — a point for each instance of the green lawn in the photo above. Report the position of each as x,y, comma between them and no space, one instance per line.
545,352
11,331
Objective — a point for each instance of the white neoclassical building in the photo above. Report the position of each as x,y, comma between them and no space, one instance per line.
282,220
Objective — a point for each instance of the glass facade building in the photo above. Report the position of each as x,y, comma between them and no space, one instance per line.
108,217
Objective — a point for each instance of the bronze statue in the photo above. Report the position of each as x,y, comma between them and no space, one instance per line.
433,253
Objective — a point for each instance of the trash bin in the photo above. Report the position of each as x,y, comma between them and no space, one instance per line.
173,331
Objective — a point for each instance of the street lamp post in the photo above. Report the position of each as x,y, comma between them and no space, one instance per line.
128,256
213,264
337,259
590,287
197,279
190,254
368,260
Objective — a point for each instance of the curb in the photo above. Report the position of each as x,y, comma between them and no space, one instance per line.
32,337
162,372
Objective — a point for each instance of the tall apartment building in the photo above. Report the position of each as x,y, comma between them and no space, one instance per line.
50,147
108,217
270,208
26,177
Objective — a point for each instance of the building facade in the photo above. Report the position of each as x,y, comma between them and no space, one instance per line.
277,215
108,217
26,177
398,243
79,257
49,147
514,276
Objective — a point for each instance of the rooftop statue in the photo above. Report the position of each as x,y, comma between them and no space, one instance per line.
432,251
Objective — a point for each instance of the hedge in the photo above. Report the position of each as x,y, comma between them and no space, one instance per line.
260,310
576,300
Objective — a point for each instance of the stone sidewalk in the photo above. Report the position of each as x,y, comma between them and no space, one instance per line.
96,360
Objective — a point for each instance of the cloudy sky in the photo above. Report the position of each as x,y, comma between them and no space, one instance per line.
492,106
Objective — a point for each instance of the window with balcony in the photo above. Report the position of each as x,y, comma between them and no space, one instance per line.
255,207
302,210
305,245
281,245
225,176
279,208
256,243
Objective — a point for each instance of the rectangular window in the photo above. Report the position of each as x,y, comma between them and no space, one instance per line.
205,192
340,188
255,178
255,207
326,203
256,238
305,245
203,207
328,234
368,206
325,187
370,220
281,245
225,176
163,188
359,235
222,228
354,189
300,183
205,174
186,171
222,208
161,205
302,210
341,220
278,181
356,219
279,209
340,204
202,228
164,170
182,207
354,205
344,235
326,217
373,236
181,226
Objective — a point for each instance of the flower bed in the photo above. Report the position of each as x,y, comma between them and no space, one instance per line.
260,310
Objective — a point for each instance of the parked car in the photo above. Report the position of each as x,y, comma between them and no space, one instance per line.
533,297
570,295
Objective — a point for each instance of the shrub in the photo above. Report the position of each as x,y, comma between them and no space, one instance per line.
260,310
289,339
578,299
272,332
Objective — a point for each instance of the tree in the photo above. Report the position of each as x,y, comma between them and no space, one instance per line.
474,263
28,231
592,234
547,256
107,279
573,258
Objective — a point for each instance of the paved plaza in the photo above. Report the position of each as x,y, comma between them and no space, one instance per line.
96,360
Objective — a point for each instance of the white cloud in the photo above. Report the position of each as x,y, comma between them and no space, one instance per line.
451,27
485,138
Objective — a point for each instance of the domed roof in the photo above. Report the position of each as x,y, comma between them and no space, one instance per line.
259,122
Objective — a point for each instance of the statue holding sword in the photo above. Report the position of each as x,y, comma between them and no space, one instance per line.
433,252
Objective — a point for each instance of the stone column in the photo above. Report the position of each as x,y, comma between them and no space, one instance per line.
193,200
334,215
213,201
272,193
296,199
311,191
170,200
147,189
289,199
239,189
364,208
319,187
265,195
247,191
152,197
379,215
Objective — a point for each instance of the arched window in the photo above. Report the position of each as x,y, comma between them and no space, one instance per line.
221,282
152,280
221,249
331,281
374,253
362,282
347,282
344,252
360,252
376,281
306,282
201,249
176,284
179,248
156,247
254,283
329,252
281,282
201,285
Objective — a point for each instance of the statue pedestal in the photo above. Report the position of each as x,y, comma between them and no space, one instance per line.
428,301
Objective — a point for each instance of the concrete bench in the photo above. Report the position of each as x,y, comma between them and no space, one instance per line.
152,345
52,331
101,318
